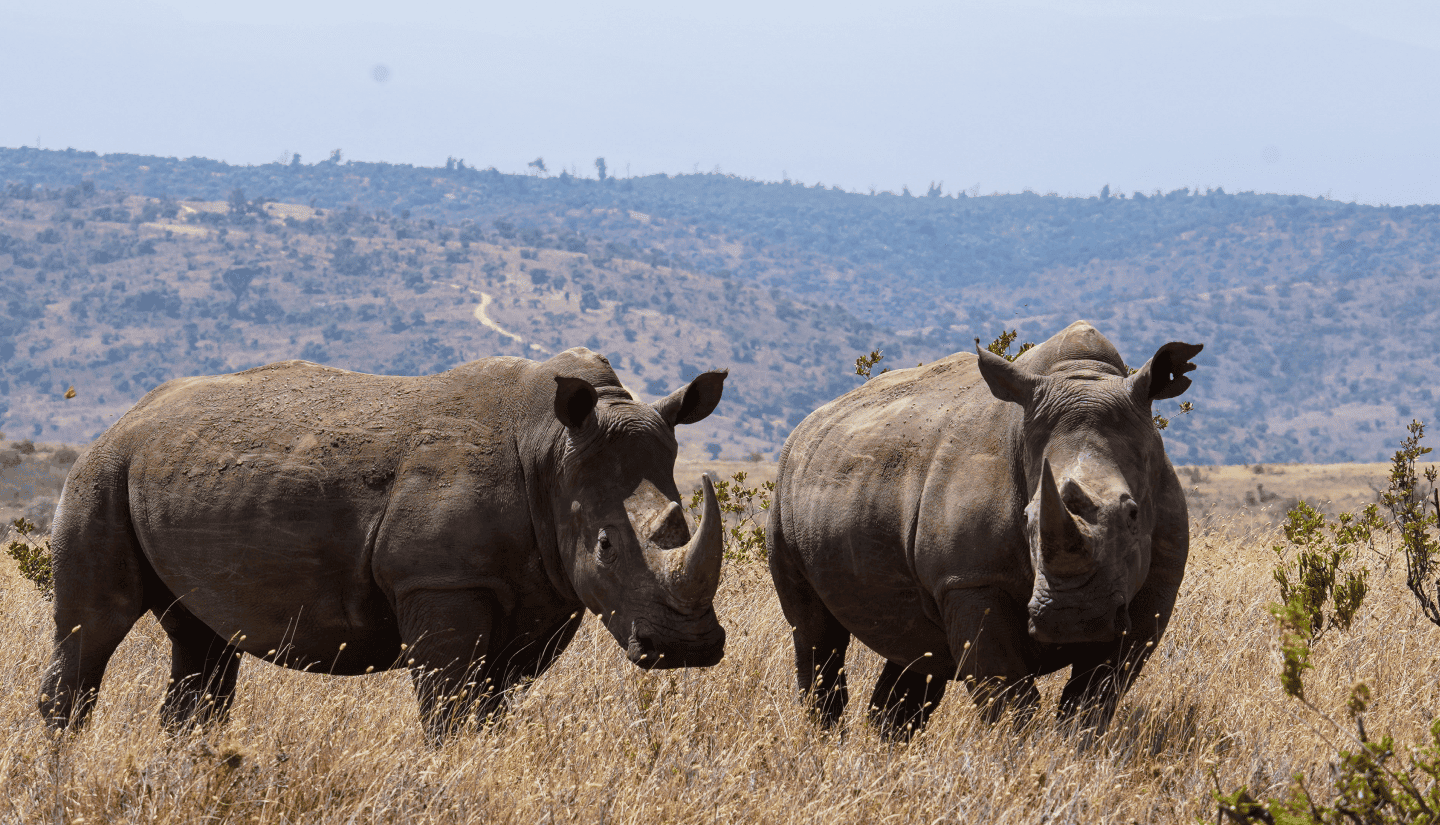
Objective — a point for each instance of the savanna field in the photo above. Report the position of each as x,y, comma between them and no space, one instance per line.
597,740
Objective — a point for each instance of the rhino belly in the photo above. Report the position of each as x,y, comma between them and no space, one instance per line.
869,587
287,570
894,625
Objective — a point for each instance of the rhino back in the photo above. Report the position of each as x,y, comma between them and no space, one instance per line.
899,490
274,483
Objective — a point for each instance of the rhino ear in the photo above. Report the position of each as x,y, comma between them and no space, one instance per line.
1163,376
693,401
574,400
1007,382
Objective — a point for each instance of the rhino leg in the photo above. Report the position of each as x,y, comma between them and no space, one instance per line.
1092,693
820,640
203,667
447,636
99,595
1101,673
533,659
904,699
990,640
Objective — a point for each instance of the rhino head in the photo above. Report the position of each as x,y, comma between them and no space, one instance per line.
1092,459
624,542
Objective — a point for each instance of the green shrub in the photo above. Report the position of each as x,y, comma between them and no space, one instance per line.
1323,568
1371,783
865,363
1001,345
32,557
1415,521
1369,788
743,509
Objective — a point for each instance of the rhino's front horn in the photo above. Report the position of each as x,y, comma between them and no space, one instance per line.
1062,548
699,572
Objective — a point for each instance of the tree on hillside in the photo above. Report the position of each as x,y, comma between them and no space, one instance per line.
600,168
538,165
238,279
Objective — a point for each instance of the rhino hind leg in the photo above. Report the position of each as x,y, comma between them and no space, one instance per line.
203,667
99,595
904,700
77,664
820,645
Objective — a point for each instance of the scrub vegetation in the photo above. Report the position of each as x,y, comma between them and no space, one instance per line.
1322,588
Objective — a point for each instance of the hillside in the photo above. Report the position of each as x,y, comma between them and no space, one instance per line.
138,292
127,270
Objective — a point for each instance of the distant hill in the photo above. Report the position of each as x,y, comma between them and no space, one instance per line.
123,271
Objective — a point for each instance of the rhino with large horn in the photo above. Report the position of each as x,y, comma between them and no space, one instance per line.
456,524
986,521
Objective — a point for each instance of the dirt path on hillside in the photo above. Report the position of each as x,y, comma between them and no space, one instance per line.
483,316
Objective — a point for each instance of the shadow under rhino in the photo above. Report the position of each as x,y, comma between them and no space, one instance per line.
458,525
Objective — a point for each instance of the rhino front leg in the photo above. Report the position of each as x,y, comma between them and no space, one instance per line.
990,640
532,659
1102,672
203,668
904,699
448,635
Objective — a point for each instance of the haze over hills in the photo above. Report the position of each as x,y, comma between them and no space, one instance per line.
124,271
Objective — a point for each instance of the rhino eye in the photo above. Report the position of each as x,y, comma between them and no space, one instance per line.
604,548
1132,514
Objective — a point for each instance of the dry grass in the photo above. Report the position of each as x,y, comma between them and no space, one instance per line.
597,740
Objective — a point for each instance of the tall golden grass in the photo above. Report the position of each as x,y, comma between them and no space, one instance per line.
597,740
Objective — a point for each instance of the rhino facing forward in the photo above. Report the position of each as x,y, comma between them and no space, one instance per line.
985,521
458,524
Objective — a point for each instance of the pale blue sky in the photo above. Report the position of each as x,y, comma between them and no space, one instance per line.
1271,95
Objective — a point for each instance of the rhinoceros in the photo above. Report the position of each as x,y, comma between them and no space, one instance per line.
987,521
457,524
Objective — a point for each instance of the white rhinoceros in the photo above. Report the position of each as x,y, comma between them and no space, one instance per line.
457,524
986,521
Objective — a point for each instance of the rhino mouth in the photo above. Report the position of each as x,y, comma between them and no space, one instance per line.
1060,626
655,647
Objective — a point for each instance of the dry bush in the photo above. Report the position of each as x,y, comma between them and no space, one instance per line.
597,740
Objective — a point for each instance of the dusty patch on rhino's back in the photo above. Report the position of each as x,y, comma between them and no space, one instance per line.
886,430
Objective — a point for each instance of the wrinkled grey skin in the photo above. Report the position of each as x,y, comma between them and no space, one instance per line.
458,523
990,522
